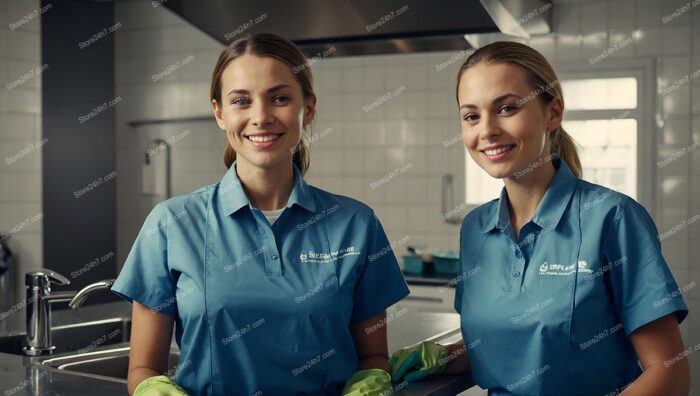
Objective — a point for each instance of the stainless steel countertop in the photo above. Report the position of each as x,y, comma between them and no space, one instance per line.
21,375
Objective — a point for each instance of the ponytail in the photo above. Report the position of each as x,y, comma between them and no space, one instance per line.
563,146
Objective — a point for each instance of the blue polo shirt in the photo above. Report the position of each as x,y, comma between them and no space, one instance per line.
551,313
260,307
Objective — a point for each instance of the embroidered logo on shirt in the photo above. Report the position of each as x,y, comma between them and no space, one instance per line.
315,257
561,269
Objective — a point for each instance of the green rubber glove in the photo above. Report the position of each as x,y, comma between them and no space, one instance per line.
370,382
159,386
426,358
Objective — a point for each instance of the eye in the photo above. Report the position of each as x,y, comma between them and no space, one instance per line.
469,117
240,101
507,108
281,99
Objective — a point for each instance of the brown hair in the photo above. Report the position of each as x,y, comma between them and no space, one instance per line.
272,45
543,80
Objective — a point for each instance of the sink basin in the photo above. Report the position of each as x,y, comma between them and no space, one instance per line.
81,338
109,364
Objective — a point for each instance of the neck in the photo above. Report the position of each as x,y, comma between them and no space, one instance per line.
267,188
525,194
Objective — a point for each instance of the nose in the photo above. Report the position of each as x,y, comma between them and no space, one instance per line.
490,127
261,116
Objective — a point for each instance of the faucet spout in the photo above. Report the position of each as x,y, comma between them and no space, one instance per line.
39,300
82,295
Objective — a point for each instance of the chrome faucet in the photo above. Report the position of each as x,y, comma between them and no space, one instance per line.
39,300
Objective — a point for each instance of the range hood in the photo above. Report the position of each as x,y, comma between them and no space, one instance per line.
364,27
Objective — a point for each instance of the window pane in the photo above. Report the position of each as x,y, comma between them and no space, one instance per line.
608,152
599,93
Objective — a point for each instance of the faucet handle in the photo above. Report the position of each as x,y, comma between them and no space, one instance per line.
44,277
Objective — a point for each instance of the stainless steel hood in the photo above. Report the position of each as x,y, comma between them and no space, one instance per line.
354,27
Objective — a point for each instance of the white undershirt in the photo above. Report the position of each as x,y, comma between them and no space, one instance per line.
272,215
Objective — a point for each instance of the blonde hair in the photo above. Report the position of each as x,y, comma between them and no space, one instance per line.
272,45
543,80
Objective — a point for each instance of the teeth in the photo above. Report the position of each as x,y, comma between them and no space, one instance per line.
264,138
498,150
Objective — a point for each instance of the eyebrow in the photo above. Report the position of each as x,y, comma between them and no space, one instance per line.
269,90
497,100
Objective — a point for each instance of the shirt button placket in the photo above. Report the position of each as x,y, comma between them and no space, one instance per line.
273,264
517,274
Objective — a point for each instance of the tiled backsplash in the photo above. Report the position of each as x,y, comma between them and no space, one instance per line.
20,135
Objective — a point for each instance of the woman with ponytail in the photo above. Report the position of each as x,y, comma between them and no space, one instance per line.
563,289
276,287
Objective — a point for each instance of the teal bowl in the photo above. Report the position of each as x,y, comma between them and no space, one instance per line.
413,265
446,263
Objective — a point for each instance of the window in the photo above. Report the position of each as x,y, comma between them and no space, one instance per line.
602,114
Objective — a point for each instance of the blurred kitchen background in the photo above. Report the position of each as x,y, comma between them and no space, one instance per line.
105,112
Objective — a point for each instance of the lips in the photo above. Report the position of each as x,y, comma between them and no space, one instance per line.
496,153
497,150
263,138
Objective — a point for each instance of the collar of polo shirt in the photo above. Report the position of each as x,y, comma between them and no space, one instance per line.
550,209
233,197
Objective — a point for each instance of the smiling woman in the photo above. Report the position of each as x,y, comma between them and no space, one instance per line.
272,282
545,323
269,83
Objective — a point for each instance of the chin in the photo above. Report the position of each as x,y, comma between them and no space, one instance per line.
269,160
500,171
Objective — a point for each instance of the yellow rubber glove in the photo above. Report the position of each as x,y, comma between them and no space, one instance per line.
159,386
370,382
426,358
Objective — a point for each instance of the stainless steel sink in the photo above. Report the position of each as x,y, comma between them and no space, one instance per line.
98,349
110,364
81,338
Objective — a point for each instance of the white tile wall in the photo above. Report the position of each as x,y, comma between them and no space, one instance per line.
410,128
20,123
